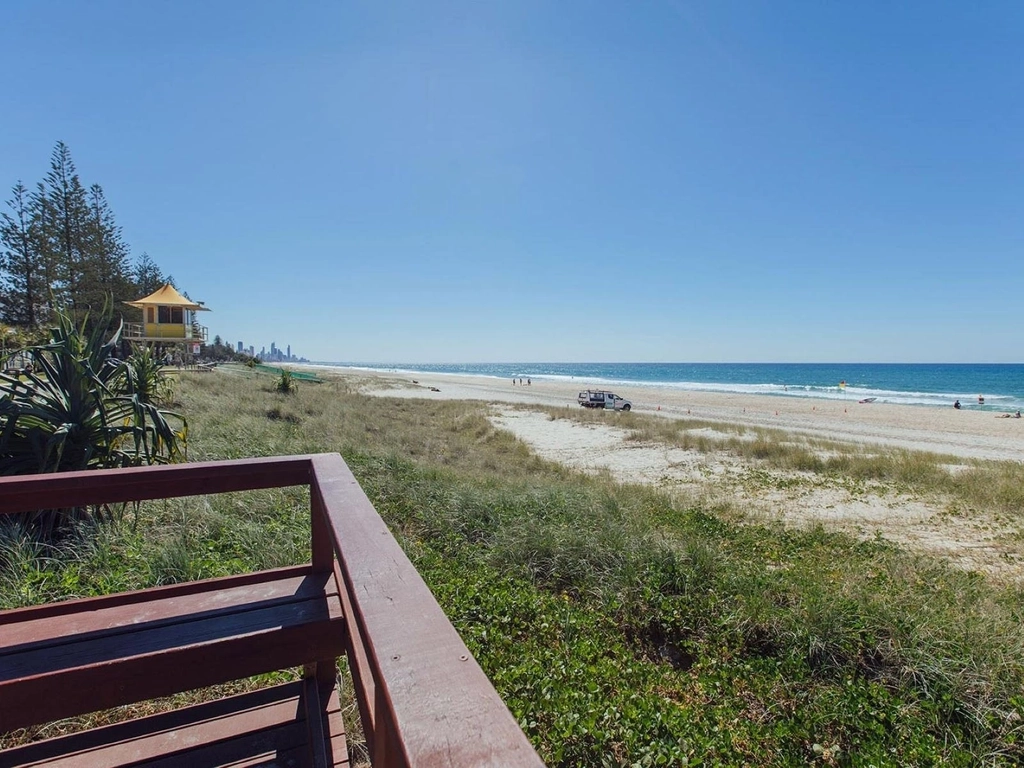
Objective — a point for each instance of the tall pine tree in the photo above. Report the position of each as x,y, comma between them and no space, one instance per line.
20,265
148,276
61,246
106,267
67,229
49,257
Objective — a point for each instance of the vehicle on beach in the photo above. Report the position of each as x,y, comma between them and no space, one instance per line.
597,398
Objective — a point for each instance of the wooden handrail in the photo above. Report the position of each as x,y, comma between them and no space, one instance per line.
423,699
27,493
436,703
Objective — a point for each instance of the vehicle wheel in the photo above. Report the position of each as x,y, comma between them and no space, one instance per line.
626,407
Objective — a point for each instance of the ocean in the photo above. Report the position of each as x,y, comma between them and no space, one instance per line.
937,385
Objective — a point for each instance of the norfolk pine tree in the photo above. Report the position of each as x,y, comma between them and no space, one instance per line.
60,246
20,266
66,229
147,274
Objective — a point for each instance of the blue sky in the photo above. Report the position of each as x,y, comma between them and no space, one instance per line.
551,181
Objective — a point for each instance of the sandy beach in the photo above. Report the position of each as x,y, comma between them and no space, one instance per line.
740,488
963,433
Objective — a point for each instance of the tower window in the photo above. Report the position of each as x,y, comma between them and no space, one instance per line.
171,315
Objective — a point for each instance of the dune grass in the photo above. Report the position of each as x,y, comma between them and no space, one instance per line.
619,628
997,487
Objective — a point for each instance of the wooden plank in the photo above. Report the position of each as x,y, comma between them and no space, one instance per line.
293,757
67,622
164,663
359,667
317,728
86,604
110,486
256,728
334,730
129,730
338,750
443,707
291,752
281,745
236,730
124,642
263,733
337,746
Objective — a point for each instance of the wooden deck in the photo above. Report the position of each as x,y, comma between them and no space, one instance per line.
422,699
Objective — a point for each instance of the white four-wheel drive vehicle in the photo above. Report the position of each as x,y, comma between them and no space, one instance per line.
596,398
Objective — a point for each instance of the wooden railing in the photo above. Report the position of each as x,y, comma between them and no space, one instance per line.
422,698
170,332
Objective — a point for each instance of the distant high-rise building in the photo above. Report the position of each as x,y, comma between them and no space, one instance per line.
239,346
289,355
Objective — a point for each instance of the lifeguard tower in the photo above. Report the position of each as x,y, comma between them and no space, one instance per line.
168,320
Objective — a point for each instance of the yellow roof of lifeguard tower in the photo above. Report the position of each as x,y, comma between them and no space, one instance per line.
167,297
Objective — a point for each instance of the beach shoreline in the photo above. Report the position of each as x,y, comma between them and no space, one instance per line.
962,433
922,519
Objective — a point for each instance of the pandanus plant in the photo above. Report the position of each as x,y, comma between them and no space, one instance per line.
76,406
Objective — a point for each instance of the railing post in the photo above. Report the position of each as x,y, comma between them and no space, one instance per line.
320,533
323,671
363,684
386,752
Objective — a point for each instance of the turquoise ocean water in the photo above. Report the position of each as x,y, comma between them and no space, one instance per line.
937,385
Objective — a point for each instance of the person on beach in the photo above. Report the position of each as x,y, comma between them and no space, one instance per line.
957,405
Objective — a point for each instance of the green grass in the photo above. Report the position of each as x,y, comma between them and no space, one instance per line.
620,628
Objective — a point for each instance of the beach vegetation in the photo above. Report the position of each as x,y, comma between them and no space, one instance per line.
76,406
285,385
994,486
620,627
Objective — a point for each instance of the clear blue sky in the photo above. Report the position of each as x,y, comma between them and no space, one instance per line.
542,181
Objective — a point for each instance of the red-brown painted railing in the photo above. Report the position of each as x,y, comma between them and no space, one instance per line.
423,699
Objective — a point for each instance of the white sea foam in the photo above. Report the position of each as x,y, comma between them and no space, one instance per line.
850,393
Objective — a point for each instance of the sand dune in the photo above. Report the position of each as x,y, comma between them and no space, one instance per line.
736,486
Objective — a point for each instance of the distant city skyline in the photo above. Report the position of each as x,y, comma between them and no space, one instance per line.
575,181
274,355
